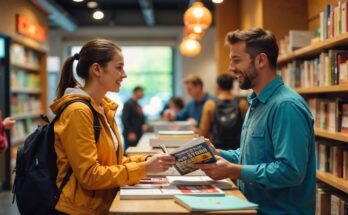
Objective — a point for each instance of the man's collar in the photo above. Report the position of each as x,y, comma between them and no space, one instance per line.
267,92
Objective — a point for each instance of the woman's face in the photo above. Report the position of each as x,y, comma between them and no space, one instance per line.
113,73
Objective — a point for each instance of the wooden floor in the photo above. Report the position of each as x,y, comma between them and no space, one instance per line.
7,208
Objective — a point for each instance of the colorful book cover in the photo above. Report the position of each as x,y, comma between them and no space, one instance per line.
194,152
213,203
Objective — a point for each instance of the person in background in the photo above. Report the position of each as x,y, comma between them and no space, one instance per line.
5,124
275,163
99,169
175,104
223,116
133,119
193,110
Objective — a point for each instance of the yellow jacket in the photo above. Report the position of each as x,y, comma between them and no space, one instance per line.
98,169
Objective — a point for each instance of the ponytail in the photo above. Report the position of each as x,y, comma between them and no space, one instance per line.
67,79
94,51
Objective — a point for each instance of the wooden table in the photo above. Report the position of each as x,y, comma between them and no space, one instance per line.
164,206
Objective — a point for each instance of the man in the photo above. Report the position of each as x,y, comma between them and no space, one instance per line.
133,119
275,162
222,117
193,110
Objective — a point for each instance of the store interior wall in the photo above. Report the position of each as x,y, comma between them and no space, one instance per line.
203,65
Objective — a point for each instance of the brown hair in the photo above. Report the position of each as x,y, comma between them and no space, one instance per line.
94,51
194,80
257,41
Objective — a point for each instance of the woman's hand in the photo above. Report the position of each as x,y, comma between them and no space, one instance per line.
159,163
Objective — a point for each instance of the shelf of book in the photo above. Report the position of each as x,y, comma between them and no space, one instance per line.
315,48
332,135
338,183
35,69
26,90
318,90
25,115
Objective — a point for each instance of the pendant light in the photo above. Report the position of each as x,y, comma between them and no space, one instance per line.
197,16
190,47
193,33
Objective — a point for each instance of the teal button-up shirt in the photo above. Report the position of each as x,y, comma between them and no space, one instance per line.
277,152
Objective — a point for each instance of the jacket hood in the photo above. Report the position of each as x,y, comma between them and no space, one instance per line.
78,93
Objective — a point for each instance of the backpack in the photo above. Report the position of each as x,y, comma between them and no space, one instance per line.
35,188
227,124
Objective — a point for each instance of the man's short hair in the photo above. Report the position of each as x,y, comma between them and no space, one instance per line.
225,81
138,88
257,40
194,80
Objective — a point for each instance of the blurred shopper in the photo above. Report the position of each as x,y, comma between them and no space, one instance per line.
193,110
133,119
98,168
223,116
5,124
175,104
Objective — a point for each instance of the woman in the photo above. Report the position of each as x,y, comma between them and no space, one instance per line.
98,169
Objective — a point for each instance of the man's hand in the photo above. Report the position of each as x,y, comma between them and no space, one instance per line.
132,137
221,169
9,122
212,147
159,163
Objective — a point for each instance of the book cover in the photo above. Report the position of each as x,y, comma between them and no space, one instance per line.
168,192
195,151
213,203
149,183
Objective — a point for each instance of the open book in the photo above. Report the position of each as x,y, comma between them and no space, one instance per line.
213,203
193,152
168,192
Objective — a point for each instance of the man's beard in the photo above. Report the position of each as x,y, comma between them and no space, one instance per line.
248,79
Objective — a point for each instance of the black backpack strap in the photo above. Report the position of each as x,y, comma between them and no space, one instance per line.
97,129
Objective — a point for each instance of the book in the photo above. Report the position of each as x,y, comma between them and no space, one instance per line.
168,192
213,203
149,183
176,135
173,171
193,152
200,180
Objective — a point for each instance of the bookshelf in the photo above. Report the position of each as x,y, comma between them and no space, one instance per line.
334,181
28,94
309,70
314,49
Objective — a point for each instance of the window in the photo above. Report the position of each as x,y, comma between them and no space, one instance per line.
150,67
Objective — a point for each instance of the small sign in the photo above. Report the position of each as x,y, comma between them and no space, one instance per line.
30,29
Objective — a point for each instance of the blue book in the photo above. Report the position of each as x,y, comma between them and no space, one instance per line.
213,203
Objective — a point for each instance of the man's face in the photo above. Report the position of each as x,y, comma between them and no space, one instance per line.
242,66
139,94
193,91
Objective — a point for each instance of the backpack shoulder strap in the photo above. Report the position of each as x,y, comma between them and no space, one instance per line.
97,129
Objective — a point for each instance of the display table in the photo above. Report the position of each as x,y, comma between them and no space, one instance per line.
164,206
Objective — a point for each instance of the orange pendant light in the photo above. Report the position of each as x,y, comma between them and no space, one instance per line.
190,47
197,16
193,33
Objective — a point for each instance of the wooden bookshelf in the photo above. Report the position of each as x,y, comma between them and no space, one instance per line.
27,68
332,135
318,90
20,116
338,183
314,49
26,90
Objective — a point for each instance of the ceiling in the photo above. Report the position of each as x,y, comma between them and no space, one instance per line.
129,12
